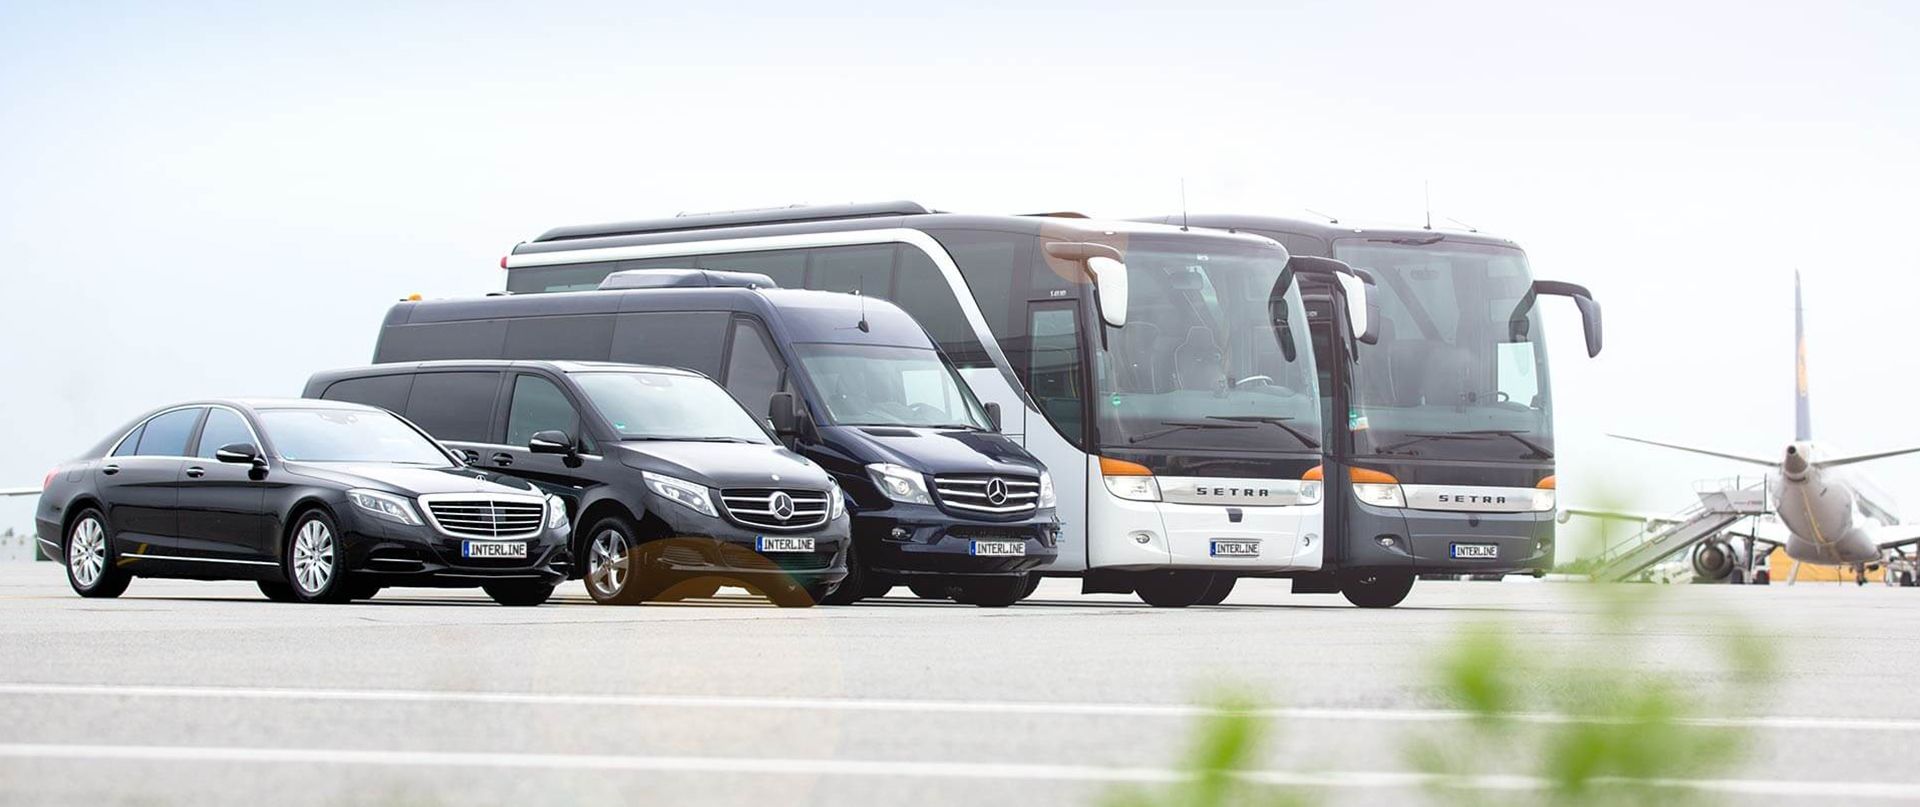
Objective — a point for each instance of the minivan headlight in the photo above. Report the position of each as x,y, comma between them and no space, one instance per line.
556,513
385,506
680,491
1047,499
900,483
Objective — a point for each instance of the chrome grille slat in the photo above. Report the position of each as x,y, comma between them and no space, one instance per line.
969,493
753,507
485,518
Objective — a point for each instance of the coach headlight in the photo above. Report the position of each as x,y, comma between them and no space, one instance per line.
1377,488
1543,496
1129,480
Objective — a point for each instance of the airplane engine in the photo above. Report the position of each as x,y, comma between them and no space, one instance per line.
1715,560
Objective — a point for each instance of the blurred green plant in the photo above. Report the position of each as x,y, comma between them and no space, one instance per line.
1213,775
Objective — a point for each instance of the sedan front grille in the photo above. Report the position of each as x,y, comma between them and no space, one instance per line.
486,518
775,508
993,495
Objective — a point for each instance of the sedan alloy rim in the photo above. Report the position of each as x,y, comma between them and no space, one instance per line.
87,552
313,557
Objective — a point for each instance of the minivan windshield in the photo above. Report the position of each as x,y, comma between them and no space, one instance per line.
669,406
349,435
876,385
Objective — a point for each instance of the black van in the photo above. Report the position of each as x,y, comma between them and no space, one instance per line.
674,487
941,501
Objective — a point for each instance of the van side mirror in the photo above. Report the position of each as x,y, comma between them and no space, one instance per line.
1582,299
783,411
993,415
552,441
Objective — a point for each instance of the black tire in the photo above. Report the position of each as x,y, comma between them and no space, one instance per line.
795,595
1762,577
698,588
877,586
519,593
853,587
315,560
1173,589
1222,586
278,591
90,557
991,592
612,546
930,590
1033,584
363,590
1377,589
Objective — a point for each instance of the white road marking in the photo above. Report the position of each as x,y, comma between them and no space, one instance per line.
902,769
897,705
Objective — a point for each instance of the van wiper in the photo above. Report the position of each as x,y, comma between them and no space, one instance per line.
1182,425
659,439
1272,420
1535,450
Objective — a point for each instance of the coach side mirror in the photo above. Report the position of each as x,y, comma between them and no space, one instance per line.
784,413
993,415
1582,299
1107,271
1363,306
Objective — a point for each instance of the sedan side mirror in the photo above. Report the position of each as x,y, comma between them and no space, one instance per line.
993,415
238,453
784,412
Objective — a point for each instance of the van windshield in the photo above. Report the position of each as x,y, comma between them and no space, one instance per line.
873,385
669,406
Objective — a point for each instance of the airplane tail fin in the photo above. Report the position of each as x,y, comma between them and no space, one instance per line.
1802,413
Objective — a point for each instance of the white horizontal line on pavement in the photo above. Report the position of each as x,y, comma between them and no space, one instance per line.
893,705
898,769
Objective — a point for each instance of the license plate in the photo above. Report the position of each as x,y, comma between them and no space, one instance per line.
783,544
1000,548
1476,550
492,549
1236,549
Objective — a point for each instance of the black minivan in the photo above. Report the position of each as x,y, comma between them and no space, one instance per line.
674,487
941,501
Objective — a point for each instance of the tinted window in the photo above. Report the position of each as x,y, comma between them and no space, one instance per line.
559,338
866,269
788,268
581,276
455,406
662,406
348,435
690,339
753,373
482,339
991,262
166,435
223,428
924,292
131,445
538,406
1054,379
388,392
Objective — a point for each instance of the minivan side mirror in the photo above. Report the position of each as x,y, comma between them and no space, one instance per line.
552,441
784,412
238,453
993,415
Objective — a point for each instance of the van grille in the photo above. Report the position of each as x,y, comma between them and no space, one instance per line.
994,495
486,518
775,508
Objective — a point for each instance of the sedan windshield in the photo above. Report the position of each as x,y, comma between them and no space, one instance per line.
669,406
349,435
1460,371
872,385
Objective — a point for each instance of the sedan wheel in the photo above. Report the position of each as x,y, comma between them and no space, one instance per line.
90,568
316,562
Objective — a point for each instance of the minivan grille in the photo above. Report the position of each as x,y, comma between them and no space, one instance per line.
994,495
775,508
487,518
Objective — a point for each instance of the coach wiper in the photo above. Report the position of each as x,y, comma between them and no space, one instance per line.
1536,451
1182,425
1272,420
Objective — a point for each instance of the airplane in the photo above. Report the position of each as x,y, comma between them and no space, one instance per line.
1832,517
5,492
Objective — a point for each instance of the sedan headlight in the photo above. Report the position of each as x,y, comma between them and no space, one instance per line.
1047,499
836,501
556,513
899,483
680,491
385,506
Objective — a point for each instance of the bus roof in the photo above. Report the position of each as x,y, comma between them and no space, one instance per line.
1234,222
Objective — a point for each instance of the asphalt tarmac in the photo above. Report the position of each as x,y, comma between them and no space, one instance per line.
204,693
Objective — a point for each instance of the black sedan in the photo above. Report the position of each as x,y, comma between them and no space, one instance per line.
318,501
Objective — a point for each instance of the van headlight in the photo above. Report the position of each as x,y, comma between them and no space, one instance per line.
836,500
680,491
1047,499
556,513
900,483
385,506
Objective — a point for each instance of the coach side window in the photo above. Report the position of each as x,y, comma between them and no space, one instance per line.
538,406
753,371
867,269
788,268
455,406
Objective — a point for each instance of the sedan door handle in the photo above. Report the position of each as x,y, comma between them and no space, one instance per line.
196,472
502,458
110,470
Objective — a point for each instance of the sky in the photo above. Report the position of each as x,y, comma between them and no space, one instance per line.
224,199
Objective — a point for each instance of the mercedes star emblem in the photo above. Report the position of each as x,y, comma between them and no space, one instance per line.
782,505
996,491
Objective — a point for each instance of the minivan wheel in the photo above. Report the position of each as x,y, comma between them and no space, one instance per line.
519,593
1222,586
1175,589
796,595
929,590
315,562
278,591
1377,589
991,592
90,561
613,564
853,587
1033,584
